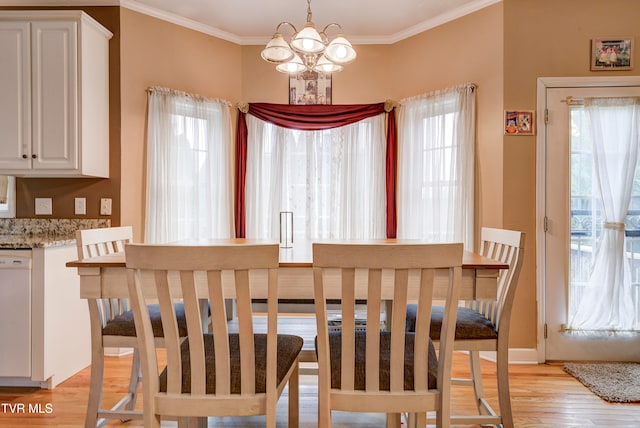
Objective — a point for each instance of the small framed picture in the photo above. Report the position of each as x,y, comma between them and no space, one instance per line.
612,53
310,87
519,122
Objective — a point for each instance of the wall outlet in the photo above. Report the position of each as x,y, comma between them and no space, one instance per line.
81,206
105,206
44,206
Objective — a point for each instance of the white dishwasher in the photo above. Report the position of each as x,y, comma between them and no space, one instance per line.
15,313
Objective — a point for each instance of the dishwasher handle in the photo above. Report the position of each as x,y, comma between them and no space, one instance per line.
15,262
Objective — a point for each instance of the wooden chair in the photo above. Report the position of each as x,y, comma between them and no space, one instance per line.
388,370
112,326
484,326
219,374
102,313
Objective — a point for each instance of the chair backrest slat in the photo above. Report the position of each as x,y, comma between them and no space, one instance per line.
165,297
423,324
374,307
405,262
220,340
245,327
100,242
194,327
193,273
506,246
398,323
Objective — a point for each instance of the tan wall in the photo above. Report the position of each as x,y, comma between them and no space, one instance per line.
158,53
366,80
503,48
468,49
64,190
546,38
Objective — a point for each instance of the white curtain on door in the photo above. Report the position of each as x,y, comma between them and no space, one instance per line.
189,176
436,139
606,303
332,180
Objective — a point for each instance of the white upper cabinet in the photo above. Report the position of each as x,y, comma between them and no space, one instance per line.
54,94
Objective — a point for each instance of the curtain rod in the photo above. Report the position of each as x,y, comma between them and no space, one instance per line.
169,91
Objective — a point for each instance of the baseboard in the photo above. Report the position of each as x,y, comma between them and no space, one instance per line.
516,356
117,352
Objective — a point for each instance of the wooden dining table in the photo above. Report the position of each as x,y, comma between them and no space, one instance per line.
105,276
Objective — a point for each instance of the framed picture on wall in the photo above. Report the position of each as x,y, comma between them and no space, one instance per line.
310,87
612,53
519,122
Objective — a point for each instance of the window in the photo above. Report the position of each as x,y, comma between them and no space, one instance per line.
189,184
7,196
605,193
435,166
332,180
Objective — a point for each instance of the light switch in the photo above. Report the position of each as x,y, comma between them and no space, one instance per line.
105,206
81,206
44,206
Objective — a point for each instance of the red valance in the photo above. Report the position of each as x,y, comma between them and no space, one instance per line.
314,118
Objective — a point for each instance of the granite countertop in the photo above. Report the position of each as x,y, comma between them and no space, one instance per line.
39,240
25,234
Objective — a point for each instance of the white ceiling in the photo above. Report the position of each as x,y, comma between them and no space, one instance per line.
254,21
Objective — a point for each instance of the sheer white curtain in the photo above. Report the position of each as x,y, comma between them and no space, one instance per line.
189,178
606,303
332,180
436,139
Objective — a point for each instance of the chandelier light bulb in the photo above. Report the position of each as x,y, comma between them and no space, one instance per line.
340,51
293,66
307,44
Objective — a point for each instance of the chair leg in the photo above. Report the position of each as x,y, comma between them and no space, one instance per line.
271,413
393,420
416,420
294,397
134,381
95,388
324,405
504,395
476,376
193,422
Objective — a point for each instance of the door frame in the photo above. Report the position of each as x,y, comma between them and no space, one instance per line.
543,84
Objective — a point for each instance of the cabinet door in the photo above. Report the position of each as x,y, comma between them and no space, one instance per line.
15,94
54,70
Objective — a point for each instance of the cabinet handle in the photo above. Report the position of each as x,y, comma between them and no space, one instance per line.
24,156
34,156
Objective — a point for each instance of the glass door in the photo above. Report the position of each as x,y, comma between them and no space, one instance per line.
574,224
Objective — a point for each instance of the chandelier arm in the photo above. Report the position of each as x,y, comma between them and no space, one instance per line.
295,30
324,30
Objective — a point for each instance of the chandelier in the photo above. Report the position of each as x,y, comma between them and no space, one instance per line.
308,49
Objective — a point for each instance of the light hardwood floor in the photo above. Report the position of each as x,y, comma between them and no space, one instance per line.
543,396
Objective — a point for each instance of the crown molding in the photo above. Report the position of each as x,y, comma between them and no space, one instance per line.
440,19
179,20
54,3
215,32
